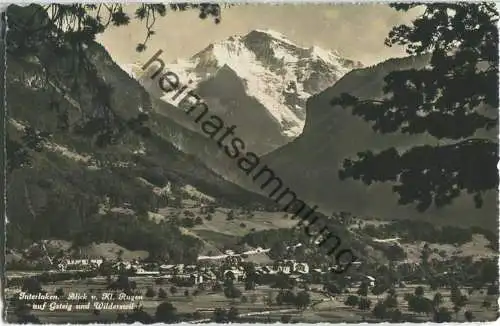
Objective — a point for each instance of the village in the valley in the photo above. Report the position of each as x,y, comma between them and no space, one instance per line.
241,278
250,163
230,287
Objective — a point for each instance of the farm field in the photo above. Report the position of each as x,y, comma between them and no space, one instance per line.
256,304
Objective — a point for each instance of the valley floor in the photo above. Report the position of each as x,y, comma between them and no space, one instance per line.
257,309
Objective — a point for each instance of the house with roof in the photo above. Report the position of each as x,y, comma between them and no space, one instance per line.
80,263
124,265
143,272
302,268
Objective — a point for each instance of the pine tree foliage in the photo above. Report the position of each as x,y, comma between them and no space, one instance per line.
454,100
58,41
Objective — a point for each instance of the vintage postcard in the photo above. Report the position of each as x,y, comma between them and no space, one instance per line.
250,163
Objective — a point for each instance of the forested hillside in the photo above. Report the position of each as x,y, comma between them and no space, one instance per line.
81,145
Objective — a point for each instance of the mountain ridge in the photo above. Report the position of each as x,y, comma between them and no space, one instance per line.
72,170
276,73
338,134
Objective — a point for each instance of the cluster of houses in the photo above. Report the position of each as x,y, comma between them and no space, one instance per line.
85,263
210,272
203,272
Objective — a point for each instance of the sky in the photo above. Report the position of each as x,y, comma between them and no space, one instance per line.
356,31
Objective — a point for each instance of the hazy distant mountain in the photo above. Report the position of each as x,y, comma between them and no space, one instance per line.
259,82
226,78
311,162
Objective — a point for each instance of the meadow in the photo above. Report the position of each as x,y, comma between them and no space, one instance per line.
256,306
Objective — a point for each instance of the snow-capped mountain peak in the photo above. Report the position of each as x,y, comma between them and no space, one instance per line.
276,72
276,35
330,57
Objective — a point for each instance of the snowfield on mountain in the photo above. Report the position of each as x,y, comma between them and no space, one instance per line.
279,74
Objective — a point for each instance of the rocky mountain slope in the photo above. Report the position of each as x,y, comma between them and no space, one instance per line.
260,80
108,169
158,171
311,162
73,176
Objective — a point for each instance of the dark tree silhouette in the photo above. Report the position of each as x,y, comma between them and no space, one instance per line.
232,314
468,315
22,310
378,289
391,301
380,310
150,292
351,301
492,289
121,283
140,316
59,292
419,291
442,316
420,304
31,285
363,289
437,300
220,315
285,319
489,271
81,23
451,99
232,292
60,38
250,281
364,304
162,294
396,316
166,313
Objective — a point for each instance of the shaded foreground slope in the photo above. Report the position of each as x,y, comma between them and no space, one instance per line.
311,162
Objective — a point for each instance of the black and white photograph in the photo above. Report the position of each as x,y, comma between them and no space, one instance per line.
288,162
